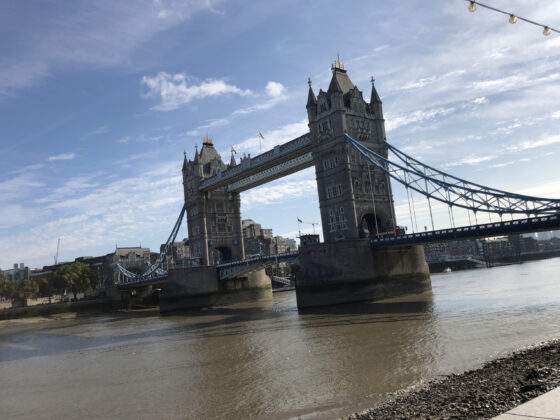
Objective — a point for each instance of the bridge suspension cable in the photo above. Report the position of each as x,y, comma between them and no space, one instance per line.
451,190
153,271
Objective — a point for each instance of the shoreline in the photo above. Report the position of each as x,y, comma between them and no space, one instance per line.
47,309
493,389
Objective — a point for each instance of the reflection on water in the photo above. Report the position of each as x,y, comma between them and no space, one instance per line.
266,358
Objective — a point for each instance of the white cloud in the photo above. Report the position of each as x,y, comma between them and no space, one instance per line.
104,34
274,89
201,129
394,122
18,186
63,156
556,115
471,160
274,194
91,218
173,90
503,164
273,137
546,140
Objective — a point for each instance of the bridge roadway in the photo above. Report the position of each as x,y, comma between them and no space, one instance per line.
278,162
529,225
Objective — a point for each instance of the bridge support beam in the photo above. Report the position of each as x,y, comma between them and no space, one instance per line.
351,271
200,287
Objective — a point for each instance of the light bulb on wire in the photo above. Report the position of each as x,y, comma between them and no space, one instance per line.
513,19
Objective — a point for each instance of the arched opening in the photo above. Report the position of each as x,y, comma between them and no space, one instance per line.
223,254
368,227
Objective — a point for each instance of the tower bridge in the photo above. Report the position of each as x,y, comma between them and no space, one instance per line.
365,255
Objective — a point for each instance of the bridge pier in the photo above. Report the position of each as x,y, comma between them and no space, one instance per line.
351,271
200,287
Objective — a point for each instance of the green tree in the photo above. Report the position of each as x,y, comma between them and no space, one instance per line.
76,277
18,292
7,287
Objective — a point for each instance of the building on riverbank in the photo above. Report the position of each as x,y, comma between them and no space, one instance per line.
18,273
261,241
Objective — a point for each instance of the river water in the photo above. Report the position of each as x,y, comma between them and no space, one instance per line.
266,359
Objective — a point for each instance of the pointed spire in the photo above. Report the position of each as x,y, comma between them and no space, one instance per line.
311,99
375,99
195,153
184,161
232,161
207,141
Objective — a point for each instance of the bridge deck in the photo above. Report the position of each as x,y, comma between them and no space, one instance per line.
280,161
534,224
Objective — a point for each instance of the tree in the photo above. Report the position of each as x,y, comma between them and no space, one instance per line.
7,287
76,277
17,292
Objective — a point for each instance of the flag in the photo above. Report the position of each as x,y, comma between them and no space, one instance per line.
299,220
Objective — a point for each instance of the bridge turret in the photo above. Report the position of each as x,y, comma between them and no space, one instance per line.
213,218
376,109
185,162
311,103
355,198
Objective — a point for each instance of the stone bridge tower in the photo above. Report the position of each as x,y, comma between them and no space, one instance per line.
213,218
355,199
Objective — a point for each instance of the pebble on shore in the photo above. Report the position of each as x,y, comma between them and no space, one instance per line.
493,389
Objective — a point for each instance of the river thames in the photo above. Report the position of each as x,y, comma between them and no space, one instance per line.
268,360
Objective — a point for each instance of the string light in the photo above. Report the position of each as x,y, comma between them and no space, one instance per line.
547,30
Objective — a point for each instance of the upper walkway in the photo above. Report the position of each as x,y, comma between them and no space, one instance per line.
279,161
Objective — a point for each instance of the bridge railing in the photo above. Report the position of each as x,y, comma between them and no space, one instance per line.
236,268
257,161
533,224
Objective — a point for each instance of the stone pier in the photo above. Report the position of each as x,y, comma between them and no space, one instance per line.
200,287
350,271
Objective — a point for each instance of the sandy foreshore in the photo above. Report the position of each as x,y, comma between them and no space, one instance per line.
493,389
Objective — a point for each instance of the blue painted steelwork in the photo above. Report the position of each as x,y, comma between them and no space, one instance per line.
533,224
154,272
275,157
453,191
239,268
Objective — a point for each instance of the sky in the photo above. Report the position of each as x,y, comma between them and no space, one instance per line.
99,99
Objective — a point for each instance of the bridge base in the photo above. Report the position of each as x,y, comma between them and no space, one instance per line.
351,271
199,287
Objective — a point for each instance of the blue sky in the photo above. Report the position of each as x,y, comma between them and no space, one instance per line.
99,99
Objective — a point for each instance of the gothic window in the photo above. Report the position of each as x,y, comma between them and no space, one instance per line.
337,219
331,162
357,184
219,207
334,191
221,222
208,168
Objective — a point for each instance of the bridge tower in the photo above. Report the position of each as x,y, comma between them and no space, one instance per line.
213,218
355,199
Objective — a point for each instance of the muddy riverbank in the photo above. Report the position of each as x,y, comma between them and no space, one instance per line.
495,388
